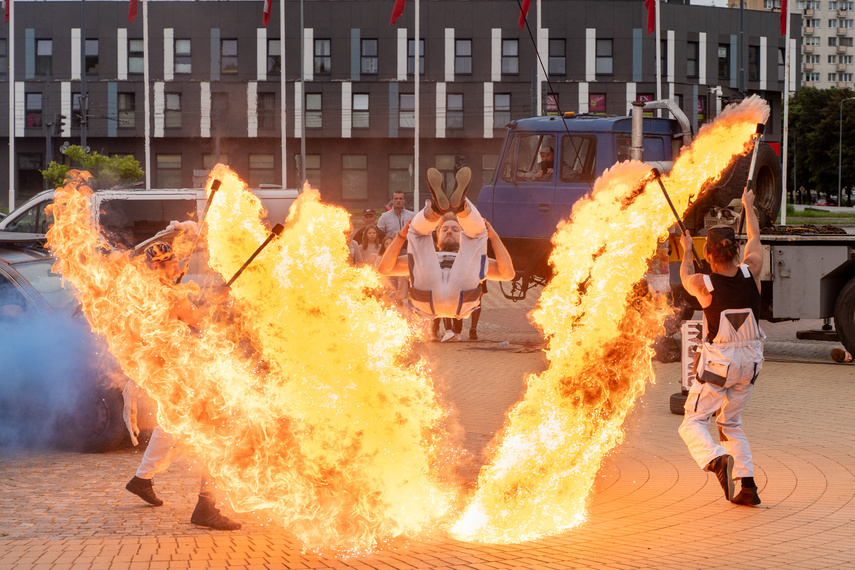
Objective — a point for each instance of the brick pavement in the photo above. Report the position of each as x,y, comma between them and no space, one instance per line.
652,507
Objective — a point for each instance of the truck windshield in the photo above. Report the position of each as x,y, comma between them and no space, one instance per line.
529,158
49,284
578,158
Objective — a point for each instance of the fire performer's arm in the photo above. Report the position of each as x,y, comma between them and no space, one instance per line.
391,264
693,282
501,268
186,311
753,256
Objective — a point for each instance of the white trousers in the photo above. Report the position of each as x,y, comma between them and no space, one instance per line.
706,399
161,452
446,286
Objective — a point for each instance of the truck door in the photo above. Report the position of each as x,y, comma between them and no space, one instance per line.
525,188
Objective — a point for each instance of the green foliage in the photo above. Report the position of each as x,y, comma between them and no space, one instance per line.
814,135
107,171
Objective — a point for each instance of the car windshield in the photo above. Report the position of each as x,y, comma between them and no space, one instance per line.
49,284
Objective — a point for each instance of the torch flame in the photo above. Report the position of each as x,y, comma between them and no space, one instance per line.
599,332
302,399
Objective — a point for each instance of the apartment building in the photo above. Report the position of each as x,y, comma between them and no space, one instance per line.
215,81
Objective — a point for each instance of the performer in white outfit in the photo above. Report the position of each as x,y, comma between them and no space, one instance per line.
731,356
447,283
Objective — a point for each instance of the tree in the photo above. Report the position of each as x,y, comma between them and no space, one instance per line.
107,171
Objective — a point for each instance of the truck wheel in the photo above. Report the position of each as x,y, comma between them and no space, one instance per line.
767,189
678,401
844,316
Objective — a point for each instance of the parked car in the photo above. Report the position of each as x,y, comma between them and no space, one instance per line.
825,202
59,386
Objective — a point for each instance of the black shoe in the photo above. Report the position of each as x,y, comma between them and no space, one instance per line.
438,199
747,496
722,466
457,200
473,334
207,515
143,489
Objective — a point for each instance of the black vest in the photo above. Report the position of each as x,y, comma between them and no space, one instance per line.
737,292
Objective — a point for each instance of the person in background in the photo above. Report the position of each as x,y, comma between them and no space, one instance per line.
162,448
370,245
393,221
369,218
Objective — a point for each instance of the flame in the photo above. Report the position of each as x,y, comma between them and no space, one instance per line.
600,331
295,396
301,395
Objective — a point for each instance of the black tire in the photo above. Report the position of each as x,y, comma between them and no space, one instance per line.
844,316
767,189
96,425
678,401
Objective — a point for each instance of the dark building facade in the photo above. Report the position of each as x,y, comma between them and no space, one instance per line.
215,76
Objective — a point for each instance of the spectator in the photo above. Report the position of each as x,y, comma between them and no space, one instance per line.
369,218
394,220
370,245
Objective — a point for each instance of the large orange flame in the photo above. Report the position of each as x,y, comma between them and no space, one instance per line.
300,395
571,416
337,437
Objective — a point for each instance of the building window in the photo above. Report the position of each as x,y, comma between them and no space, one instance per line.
312,170
847,77
169,171
135,56
832,5
604,57
510,57
266,110
261,170
832,77
209,161
663,58
846,42
846,24
399,173
832,59
488,168
354,177
228,56
369,57
407,111
812,76
847,59
44,57
127,110
814,41
692,56
33,109
76,113
4,59
360,111
219,110
723,61
411,56
771,4
454,111
832,24
753,63
172,111
274,57
323,58
832,41
463,57
812,23
91,57
597,103
557,57
314,118
183,63
501,110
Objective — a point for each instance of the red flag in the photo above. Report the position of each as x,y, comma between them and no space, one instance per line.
784,18
524,12
132,10
265,19
6,8
397,11
651,15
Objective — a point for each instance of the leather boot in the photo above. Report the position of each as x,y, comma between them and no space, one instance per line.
207,515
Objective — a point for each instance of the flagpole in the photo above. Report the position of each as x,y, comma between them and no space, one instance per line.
12,115
539,87
302,98
416,69
146,97
787,72
658,58
282,90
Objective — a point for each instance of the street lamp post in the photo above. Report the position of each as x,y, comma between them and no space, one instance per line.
840,151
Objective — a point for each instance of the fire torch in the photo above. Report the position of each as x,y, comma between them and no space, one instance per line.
750,184
215,185
277,229
657,175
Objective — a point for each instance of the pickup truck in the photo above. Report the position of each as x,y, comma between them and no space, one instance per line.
806,276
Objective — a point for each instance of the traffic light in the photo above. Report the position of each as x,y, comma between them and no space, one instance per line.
58,123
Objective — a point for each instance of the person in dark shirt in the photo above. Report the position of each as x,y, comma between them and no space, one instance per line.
547,162
731,355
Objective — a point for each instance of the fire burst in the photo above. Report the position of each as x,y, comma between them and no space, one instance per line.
298,396
599,332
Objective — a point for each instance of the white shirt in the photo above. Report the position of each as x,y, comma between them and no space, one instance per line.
392,223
